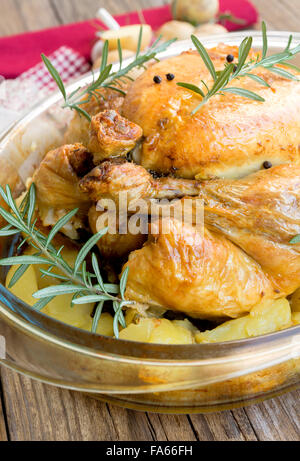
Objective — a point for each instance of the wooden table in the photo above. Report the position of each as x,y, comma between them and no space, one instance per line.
33,411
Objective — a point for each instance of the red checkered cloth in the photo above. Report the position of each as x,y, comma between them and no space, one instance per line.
68,62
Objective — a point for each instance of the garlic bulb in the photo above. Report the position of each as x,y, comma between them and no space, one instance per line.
210,29
176,29
195,11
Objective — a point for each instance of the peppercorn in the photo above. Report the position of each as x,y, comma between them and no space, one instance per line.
170,76
234,68
229,58
267,164
157,79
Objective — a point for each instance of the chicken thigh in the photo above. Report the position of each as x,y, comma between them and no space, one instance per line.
202,274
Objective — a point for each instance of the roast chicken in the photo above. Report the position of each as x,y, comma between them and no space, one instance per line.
147,145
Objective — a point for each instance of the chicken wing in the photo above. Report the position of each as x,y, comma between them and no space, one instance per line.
78,129
57,186
206,276
112,135
116,175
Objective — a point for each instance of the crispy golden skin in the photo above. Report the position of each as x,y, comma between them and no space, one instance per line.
230,136
114,246
260,214
57,186
116,175
112,135
204,276
78,129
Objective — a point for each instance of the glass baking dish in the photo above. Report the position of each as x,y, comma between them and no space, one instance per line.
152,377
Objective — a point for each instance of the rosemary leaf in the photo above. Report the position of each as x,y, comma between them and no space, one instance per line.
39,305
116,321
59,225
283,73
87,247
123,282
104,56
295,239
120,53
245,93
55,75
139,43
244,54
18,274
258,79
97,316
25,259
190,86
97,272
56,290
8,232
205,56
265,39
31,204
91,299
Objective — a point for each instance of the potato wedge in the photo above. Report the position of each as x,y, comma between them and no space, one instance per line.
160,331
266,317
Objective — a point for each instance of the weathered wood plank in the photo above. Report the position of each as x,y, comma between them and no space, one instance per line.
70,10
3,432
277,419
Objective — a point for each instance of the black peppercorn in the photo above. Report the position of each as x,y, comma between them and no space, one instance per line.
157,79
229,58
170,76
267,164
234,68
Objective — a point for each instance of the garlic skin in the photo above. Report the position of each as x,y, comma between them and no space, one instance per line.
176,29
97,50
210,29
195,11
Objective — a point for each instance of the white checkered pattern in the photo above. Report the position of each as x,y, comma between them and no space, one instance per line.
68,63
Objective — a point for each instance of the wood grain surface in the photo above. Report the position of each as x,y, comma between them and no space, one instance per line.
33,411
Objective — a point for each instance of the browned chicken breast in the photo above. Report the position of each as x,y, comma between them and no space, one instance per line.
112,135
230,136
205,276
57,186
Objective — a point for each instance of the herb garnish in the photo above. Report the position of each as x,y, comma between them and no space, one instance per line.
242,69
106,78
86,287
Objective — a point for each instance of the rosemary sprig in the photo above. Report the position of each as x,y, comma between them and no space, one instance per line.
106,78
243,68
86,286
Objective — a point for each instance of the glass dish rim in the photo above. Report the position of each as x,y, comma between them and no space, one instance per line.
159,350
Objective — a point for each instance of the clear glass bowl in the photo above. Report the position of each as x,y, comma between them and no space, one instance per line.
153,377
